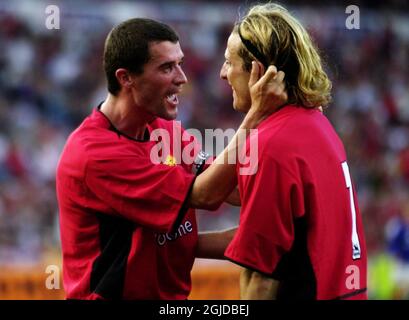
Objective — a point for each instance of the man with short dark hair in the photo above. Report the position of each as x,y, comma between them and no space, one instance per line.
126,229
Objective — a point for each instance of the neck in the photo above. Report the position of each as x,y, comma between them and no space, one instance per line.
125,116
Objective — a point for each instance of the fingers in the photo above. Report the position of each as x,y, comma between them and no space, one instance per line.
269,75
271,83
278,80
281,90
275,81
255,73
261,69
279,76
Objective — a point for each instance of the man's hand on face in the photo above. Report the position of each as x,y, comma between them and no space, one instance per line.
267,90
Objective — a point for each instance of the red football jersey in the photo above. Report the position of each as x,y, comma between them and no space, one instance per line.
117,209
300,223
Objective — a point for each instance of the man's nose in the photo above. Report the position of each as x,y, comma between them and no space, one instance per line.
223,72
181,77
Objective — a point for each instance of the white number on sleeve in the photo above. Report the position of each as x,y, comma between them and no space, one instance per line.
356,248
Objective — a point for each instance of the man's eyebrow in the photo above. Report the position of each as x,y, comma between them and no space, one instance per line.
171,62
167,63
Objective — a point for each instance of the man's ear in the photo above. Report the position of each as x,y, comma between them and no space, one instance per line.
124,78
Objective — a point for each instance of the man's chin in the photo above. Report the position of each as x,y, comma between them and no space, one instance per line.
241,109
170,115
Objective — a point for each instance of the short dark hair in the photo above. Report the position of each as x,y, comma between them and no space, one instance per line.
127,46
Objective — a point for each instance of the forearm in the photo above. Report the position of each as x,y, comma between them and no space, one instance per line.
211,245
234,198
213,186
256,286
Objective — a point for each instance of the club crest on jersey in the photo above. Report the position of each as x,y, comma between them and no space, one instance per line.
170,161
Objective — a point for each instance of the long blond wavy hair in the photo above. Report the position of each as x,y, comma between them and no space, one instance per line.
281,40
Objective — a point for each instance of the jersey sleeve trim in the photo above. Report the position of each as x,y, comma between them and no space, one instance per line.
184,208
247,266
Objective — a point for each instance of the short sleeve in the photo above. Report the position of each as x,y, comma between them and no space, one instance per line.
270,198
148,194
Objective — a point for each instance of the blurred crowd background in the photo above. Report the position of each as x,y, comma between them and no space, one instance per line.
50,80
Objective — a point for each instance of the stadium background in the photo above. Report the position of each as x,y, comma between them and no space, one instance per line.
51,79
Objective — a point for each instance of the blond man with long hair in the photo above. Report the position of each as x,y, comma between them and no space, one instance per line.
300,234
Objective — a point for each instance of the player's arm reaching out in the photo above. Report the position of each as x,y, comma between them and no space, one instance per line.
212,244
256,286
234,198
268,93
